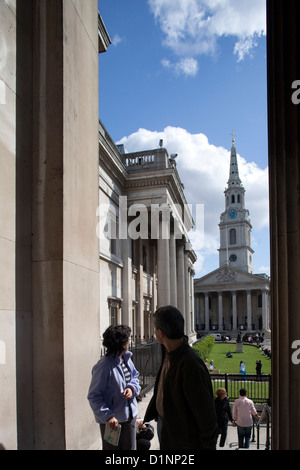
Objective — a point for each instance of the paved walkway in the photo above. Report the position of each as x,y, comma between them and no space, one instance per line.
231,441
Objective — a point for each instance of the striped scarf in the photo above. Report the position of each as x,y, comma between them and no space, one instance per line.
126,372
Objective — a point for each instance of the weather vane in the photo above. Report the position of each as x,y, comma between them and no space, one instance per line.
233,136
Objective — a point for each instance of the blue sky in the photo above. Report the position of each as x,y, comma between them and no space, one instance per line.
190,72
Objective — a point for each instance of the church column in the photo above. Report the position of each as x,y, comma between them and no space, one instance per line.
206,300
264,308
249,311
284,170
220,309
234,312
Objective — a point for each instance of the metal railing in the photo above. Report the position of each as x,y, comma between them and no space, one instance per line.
258,389
264,420
147,360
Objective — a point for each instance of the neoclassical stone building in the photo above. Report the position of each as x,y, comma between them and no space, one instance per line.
232,297
146,259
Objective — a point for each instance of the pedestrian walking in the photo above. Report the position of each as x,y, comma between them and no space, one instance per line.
224,414
258,368
243,411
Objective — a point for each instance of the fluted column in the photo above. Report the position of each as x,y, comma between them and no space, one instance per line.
140,296
126,282
173,271
264,309
283,41
234,312
193,322
180,277
206,300
163,270
249,310
220,310
187,294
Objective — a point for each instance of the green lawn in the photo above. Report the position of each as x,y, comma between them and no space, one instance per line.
257,391
232,365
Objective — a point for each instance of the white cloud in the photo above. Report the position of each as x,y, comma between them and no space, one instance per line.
204,171
193,27
116,40
186,66
245,47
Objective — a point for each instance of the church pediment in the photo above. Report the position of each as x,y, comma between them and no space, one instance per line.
228,276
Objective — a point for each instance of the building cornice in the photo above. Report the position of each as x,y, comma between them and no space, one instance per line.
109,157
103,37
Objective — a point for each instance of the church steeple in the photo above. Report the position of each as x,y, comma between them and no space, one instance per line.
234,179
235,227
235,192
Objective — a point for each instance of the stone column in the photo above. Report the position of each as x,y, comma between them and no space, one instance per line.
187,295
264,308
180,277
140,294
234,312
283,41
192,274
220,310
126,283
173,271
249,310
163,270
206,297
63,124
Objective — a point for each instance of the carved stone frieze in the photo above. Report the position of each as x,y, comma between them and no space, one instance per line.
226,276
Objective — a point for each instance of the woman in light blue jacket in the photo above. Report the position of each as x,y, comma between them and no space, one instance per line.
114,387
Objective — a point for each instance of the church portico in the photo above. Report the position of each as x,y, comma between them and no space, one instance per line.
232,310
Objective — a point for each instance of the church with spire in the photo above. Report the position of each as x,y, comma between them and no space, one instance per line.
233,297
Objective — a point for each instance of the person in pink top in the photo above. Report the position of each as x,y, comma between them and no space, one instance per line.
243,411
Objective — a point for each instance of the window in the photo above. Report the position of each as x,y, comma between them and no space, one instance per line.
113,316
114,310
232,199
144,258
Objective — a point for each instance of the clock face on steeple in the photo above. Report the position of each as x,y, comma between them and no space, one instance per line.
232,214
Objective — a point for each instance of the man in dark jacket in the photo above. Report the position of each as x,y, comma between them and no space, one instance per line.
183,397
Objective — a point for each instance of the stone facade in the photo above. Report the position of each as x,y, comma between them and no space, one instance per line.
141,266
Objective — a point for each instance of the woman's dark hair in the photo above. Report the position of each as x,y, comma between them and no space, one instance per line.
170,321
115,338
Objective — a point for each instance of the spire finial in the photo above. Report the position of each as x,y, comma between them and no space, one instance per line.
233,137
